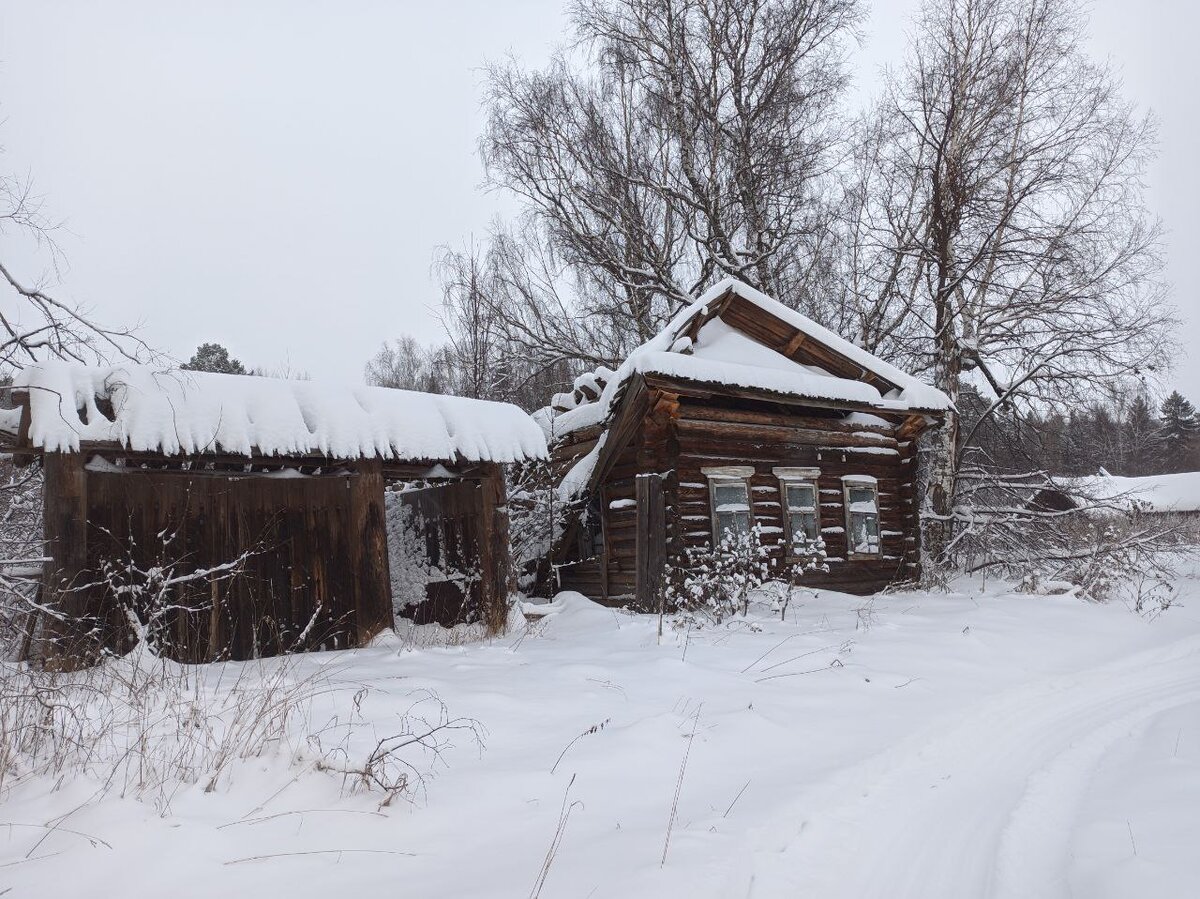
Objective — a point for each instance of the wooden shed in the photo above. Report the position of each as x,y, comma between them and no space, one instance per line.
234,516
742,413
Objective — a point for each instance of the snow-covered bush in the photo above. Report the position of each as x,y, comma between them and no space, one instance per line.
1130,555
1057,537
536,518
418,555
807,554
715,584
408,563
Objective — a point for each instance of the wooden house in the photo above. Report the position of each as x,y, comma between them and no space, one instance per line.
742,413
273,491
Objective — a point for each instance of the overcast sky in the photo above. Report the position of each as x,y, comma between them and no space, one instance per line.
276,176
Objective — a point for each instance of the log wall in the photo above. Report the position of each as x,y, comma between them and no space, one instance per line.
711,436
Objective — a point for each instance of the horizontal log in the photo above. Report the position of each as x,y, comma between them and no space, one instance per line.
833,423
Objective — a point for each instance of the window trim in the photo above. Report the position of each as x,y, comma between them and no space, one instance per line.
804,476
860,481
727,474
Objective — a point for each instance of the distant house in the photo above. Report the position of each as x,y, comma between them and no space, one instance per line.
150,471
1159,494
741,413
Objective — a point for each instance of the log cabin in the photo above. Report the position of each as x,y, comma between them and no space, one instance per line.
255,506
741,414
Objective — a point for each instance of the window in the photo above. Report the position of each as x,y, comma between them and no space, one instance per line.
729,495
801,504
862,515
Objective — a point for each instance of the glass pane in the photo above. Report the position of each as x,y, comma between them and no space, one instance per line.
804,525
741,522
864,532
862,495
732,525
810,526
730,496
801,497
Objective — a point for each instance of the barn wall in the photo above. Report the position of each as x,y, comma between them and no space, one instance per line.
316,579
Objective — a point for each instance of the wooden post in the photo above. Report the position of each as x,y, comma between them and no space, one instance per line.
71,641
651,557
371,573
495,565
604,543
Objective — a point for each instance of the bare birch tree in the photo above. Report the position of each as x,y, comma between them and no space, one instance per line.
676,142
1000,233
404,364
34,324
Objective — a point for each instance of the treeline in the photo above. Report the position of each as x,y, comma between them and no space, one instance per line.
213,357
1131,438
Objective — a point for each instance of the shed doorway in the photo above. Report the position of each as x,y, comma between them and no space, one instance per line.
443,542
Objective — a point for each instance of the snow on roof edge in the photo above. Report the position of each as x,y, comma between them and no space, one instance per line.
187,412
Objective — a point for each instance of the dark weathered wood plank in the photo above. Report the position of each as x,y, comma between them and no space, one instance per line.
651,542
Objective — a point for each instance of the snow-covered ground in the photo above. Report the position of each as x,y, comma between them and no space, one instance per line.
925,745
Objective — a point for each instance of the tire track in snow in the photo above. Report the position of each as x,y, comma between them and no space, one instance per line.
981,807
1034,848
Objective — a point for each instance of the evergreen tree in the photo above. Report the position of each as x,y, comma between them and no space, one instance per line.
1106,440
1141,438
1180,434
214,357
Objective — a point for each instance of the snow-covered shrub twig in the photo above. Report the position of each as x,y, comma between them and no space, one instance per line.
426,729
145,726
20,555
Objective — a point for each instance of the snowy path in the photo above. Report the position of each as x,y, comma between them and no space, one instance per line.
962,745
985,807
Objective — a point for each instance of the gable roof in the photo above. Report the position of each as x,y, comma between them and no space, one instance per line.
736,336
737,339
144,409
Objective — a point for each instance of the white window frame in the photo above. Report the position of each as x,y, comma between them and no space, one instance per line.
861,482
723,475
801,477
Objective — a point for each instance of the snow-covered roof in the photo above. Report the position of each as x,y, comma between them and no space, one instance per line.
721,354
172,411
1153,493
